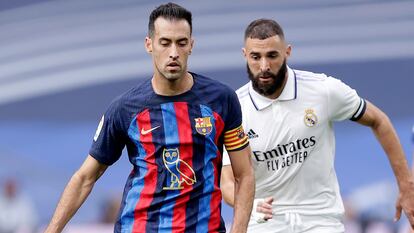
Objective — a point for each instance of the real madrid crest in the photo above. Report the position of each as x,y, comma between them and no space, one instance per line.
203,125
310,118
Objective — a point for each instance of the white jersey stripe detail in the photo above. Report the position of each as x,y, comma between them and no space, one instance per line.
360,111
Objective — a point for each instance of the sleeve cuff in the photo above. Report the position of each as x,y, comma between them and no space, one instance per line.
360,111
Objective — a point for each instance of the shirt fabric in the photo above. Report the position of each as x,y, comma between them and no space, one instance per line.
293,145
175,145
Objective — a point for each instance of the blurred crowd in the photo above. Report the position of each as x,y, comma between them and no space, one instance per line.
17,212
369,209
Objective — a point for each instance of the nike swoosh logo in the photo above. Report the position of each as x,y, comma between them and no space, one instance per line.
144,132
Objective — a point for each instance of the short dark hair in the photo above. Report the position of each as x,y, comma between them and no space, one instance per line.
170,11
262,29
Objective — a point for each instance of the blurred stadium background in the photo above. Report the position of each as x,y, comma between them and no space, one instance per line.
62,62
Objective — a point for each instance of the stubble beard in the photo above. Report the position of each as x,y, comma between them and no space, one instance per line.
172,76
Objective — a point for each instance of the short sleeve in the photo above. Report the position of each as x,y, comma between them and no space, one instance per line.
108,141
234,114
343,101
234,137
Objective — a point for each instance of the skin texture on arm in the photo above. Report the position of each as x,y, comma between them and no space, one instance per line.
227,185
227,189
387,137
75,193
244,187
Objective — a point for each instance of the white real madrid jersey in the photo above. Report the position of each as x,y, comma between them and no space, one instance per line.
293,144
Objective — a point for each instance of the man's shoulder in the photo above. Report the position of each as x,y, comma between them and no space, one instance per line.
243,91
210,86
304,76
316,80
136,94
208,82
140,90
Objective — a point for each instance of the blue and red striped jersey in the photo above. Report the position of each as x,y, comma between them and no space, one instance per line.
175,145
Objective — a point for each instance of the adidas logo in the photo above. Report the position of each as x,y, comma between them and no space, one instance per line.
251,134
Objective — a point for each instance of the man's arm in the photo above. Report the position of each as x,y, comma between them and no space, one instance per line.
75,193
387,137
227,184
244,187
262,208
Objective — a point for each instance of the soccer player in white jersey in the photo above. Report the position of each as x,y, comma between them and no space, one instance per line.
288,115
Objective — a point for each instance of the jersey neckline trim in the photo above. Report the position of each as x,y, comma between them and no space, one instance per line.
195,82
289,92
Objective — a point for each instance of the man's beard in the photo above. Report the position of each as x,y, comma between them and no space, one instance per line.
268,89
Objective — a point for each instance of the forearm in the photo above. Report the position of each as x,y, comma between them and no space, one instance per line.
227,185
386,135
244,189
75,193
228,195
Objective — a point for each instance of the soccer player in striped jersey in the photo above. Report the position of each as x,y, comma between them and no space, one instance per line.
289,116
174,126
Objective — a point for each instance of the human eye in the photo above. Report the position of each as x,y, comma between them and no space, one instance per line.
182,43
164,43
255,56
273,55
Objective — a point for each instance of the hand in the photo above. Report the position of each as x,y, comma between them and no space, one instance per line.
262,209
406,202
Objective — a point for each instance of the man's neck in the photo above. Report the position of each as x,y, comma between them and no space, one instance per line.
166,87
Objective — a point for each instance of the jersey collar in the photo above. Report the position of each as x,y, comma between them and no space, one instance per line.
289,93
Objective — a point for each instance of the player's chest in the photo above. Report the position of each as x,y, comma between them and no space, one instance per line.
175,123
284,123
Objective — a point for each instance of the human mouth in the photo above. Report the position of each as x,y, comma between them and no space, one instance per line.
265,79
173,66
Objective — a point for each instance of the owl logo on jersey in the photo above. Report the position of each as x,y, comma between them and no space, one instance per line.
310,118
203,125
179,171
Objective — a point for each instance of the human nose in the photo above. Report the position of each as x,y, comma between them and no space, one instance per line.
264,65
174,52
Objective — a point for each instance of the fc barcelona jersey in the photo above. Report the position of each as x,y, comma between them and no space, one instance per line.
175,145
